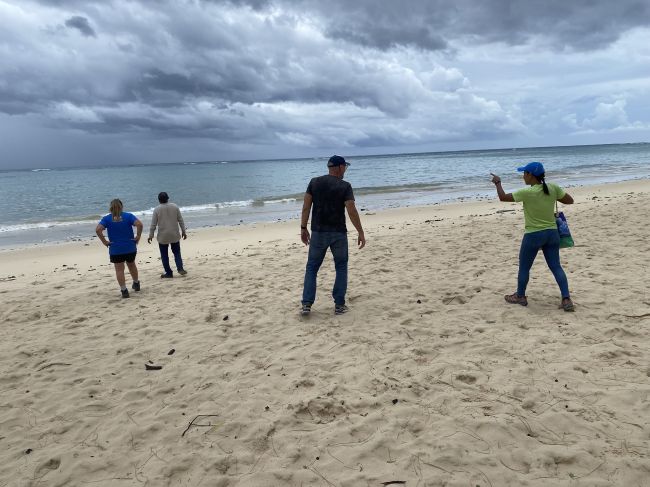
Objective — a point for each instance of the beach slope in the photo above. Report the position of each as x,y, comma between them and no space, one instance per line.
430,379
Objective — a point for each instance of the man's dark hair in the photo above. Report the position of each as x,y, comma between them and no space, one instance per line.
163,197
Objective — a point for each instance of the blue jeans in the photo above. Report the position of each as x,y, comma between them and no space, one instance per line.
337,242
164,256
549,242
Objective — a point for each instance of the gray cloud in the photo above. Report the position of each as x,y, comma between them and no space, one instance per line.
311,75
371,34
434,24
81,24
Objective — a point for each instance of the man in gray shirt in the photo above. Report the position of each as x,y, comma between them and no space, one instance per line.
167,217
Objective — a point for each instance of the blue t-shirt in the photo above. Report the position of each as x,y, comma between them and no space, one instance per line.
120,234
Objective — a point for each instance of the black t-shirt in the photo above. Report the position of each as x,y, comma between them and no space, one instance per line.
329,195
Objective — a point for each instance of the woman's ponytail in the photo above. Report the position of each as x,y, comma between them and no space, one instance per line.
541,180
116,209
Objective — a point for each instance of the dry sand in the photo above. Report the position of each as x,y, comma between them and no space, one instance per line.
431,378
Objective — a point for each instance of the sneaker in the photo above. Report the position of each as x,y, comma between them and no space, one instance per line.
125,293
136,286
182,272
567,305
166,276
339,309
516,299
306,309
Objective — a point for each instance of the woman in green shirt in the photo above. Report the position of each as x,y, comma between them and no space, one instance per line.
540,229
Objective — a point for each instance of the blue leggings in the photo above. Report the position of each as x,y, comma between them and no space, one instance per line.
549,242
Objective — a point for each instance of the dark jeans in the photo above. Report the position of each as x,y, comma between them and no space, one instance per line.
164,256
337,242
549,242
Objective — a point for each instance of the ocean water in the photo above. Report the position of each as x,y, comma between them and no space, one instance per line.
52,205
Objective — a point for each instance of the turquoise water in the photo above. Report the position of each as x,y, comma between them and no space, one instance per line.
54,205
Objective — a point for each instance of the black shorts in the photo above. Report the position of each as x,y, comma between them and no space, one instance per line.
116,259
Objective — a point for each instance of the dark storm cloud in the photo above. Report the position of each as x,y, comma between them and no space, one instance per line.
81,24
254,4
303,72
433,24
371,34
240,83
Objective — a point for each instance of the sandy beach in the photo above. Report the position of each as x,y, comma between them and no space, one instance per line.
431,378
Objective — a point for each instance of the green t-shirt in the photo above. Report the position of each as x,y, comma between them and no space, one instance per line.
539,208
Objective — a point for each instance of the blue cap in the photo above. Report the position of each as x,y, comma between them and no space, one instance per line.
337,161
534,168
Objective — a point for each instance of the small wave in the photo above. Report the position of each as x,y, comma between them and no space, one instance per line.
401,188
143,212
212,206
41,170
204,207
263,202
79,219
20,227
231,204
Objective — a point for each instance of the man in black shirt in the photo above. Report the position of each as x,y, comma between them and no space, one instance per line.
330,197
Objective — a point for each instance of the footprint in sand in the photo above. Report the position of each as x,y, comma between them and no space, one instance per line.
47,467
455,299
466,378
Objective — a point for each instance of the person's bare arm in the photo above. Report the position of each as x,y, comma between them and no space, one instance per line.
503,196
100,233
138,225
566,199
356,221
304,218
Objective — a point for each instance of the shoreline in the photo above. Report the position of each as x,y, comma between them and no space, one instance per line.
88,250
78,228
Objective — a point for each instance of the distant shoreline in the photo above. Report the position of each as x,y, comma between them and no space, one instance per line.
207,233
318,157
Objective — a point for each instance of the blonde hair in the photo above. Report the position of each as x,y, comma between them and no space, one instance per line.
116,208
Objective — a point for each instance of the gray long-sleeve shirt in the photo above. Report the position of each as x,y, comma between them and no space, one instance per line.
167,217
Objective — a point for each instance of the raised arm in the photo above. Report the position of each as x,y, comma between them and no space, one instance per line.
503,196
356,221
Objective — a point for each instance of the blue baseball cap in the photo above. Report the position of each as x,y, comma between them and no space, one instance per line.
534,168
337,161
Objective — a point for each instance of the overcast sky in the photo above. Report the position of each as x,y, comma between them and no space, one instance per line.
87,82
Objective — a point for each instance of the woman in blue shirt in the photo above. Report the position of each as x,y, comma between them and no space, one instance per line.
121,243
